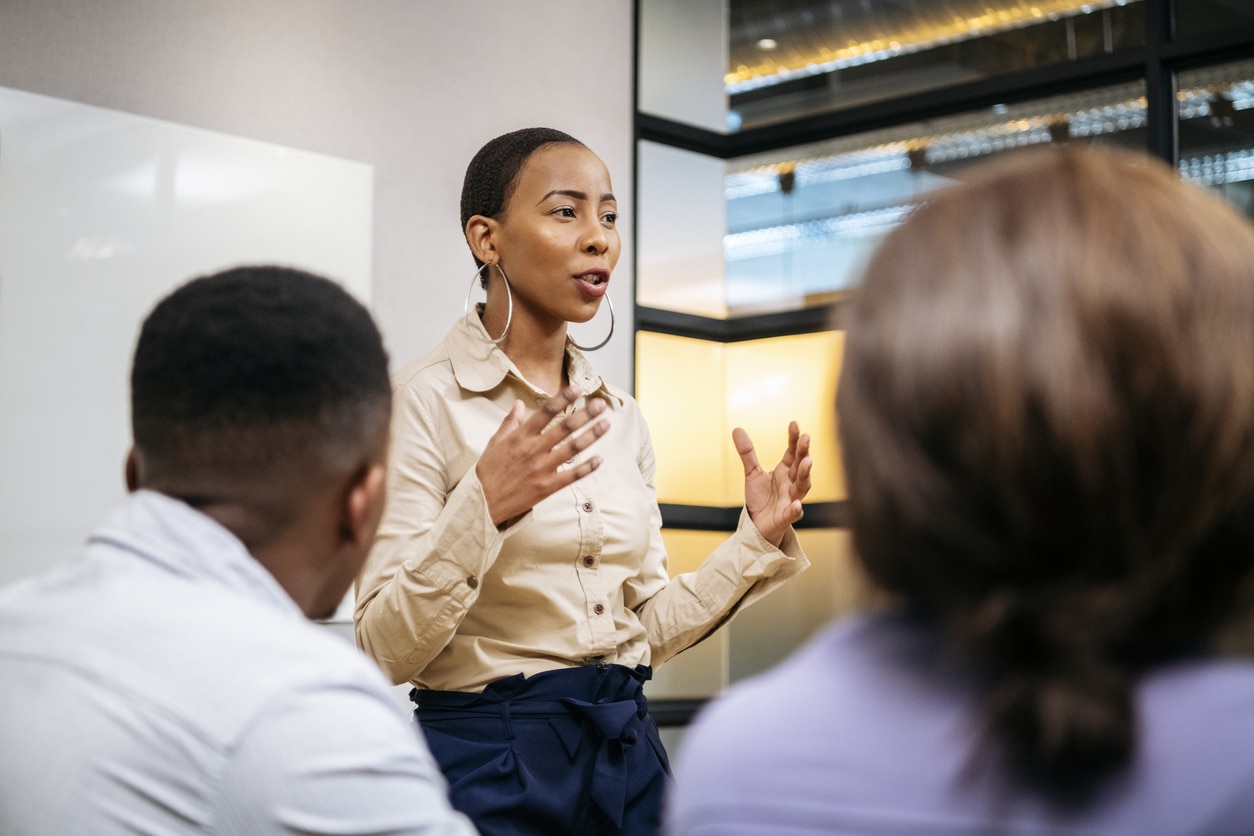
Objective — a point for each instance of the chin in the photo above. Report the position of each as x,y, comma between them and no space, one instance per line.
321,612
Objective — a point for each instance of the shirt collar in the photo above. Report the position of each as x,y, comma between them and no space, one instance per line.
184,542
480,366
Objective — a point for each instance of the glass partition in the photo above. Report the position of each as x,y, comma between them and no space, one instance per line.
803,221
775,60
1216,107
1195,17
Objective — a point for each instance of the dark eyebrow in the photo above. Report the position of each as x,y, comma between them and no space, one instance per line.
578,195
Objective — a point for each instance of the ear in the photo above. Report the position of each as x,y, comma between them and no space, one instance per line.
481,232
132,470
363,505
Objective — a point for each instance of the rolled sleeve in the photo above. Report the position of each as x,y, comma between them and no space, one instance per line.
431,551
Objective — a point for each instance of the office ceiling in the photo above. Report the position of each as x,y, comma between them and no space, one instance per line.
778,41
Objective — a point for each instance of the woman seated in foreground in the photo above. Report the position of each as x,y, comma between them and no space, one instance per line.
1047,416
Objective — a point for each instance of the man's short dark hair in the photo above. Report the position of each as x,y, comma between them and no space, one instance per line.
256,366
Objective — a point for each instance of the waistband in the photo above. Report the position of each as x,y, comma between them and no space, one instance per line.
590,683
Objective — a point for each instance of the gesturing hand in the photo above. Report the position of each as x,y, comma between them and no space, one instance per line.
520,464
773,499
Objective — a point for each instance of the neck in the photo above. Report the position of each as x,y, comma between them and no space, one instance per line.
537,348
540,355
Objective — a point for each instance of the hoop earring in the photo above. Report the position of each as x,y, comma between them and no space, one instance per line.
607,336
509,315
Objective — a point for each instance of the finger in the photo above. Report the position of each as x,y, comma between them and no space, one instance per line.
585,439
790,452
553,407
582,422
803,450
744,446
574,421
511,421
801,485
573,474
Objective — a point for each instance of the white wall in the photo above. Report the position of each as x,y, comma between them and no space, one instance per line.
412,87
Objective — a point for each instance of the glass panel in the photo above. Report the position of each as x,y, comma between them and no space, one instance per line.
680,229
773,381
763,634
1198,16
802,222
1217,130
681,61
693,392
681,384
726,65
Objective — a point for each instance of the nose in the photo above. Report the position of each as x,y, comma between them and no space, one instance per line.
596,240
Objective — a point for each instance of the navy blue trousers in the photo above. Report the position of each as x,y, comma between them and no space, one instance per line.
571,751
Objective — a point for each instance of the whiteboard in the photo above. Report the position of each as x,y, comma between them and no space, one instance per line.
101,214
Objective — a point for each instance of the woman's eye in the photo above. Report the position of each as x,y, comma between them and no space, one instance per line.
610,218
566,212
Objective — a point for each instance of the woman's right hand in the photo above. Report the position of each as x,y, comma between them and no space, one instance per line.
523,462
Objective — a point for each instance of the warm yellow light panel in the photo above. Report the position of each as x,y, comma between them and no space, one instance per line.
693,392
836,584
765,633
686,550
680,387
773,381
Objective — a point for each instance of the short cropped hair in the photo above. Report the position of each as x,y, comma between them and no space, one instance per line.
493,171
1047,416
258,366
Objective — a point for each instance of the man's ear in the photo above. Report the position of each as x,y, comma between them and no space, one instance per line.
363,505
132,470
480,232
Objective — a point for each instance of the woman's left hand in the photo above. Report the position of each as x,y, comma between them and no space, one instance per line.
774,499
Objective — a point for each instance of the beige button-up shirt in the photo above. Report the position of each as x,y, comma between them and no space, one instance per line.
449,602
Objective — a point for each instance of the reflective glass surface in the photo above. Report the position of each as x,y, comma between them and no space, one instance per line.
1216,107
803,222
1195,17
782,59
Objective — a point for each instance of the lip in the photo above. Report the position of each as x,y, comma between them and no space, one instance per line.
594,282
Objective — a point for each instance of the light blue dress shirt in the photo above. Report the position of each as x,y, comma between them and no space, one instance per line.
165,683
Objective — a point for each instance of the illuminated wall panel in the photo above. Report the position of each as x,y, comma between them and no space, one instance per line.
680,386
771,629
693,392
773,381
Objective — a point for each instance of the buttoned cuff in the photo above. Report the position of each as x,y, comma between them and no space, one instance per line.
466,540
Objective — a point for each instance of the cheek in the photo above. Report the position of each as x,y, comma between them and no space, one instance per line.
616,249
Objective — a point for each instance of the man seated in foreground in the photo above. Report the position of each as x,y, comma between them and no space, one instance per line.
168,680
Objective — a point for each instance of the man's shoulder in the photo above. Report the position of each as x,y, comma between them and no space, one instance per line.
182,648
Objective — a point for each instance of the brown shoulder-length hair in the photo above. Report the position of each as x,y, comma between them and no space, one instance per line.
1047,416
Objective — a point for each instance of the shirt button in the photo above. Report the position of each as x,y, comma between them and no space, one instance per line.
599,609
587,506
589,561
472,582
